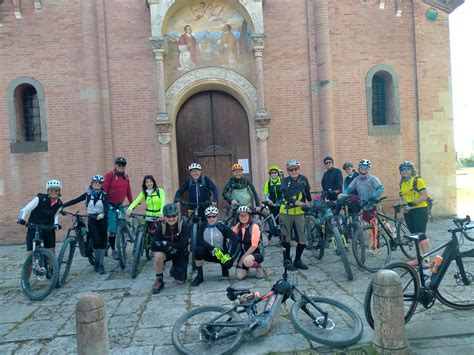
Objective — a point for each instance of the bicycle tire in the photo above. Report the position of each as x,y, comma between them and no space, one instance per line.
137,253
468,234
121,248
314,236
338,313
367,257
343,253
410,287
456,289
407,245
194,331
48,285
66,254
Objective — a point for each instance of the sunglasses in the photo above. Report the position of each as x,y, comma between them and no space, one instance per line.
405,169
172,216
327,162
293,169
363,167
209,217
121,164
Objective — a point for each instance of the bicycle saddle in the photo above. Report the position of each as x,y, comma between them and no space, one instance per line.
233,293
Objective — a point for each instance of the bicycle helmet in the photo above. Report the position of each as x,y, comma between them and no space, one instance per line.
194,166
171,209
365,164
328,158
54,184
347,164
274,168
120,160
211,210
98,178
406,164
237,166
292,162
244,209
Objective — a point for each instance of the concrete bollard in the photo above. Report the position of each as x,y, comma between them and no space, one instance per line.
389,319
91,325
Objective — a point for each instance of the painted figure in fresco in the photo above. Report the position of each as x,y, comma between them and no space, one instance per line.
227,46
200,11
214,11
188,50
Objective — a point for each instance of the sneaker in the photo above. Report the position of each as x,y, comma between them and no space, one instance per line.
158,286
225,272
101,270
298,264
197,281
115,254
261,273
96,267
289,265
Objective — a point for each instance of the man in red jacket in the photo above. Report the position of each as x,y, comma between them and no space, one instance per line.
117,186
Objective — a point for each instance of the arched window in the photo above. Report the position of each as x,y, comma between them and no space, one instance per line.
27,119
383,100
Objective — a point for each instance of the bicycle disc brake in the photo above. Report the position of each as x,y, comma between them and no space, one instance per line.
459,280
319,321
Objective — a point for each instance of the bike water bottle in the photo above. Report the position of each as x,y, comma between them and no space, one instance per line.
438,259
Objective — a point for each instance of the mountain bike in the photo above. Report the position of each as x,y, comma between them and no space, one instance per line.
324,230
76,236
451,282
125,234
142,240
219,330
40,271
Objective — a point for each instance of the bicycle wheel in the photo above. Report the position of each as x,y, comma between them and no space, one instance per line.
369,255
468,234
315,237
344,326
456,289
208,330
410,287
39,274
121,242
66,254
407,245
341,248
137,253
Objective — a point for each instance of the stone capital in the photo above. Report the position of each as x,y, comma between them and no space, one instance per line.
164,138
262,117
262,134
257,44
159,47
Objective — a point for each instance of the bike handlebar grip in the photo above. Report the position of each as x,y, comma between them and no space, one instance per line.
91,325
21,221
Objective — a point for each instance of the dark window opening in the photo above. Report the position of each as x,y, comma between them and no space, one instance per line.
382,99
31,114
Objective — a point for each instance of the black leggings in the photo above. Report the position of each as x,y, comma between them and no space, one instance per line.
416,220
98,232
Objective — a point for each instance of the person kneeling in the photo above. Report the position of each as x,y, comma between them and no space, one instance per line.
248,234
215,243
170,242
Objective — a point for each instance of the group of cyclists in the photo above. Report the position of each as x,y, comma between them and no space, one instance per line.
217,243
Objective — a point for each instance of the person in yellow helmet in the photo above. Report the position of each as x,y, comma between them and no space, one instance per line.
272,190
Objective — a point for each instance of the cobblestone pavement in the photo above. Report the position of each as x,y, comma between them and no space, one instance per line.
141,323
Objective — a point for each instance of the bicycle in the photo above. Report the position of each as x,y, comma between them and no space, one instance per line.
142,241
76,236
373,245
218,330
125,233
40,271
324,229
451,283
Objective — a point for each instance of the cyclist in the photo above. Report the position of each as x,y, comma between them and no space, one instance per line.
239,191
117,186
348,167
296,193
215,243
332,180
97,202
248,234
170,242
43,209
413,193
199,189
272,189
368,187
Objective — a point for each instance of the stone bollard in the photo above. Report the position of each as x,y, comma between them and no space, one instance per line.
388,312
91,325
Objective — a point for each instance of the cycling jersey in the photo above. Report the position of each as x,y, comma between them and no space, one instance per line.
217,235
294,190
248,235
117,187
43,210
154,200
332,183
272,189
96,202
198,191
411,193
367,186
173,237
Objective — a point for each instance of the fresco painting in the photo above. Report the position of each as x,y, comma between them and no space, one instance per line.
207,33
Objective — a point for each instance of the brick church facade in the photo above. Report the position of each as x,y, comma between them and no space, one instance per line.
167,82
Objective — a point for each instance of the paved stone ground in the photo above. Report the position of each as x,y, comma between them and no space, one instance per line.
141,323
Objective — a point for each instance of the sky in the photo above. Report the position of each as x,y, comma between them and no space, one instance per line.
461,28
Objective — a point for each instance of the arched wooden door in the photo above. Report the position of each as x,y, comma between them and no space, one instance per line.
212,129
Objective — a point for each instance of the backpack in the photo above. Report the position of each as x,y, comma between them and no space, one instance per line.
163,228
203,184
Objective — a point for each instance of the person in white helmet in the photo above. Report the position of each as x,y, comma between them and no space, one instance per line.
43,209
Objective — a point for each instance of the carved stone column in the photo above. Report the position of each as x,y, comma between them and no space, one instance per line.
165,144
262,136
257,45
159,49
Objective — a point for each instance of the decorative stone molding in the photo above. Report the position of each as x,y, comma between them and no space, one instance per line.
162,117
257,44
38,5
164,138
262,134
17,9
262,117
159,46
447,6
382,5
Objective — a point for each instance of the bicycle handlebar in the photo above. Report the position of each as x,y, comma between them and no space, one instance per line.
39,226
77,215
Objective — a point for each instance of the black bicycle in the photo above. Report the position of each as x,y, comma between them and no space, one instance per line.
76,236
125,234
40,271
451,282
219,330
142,240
